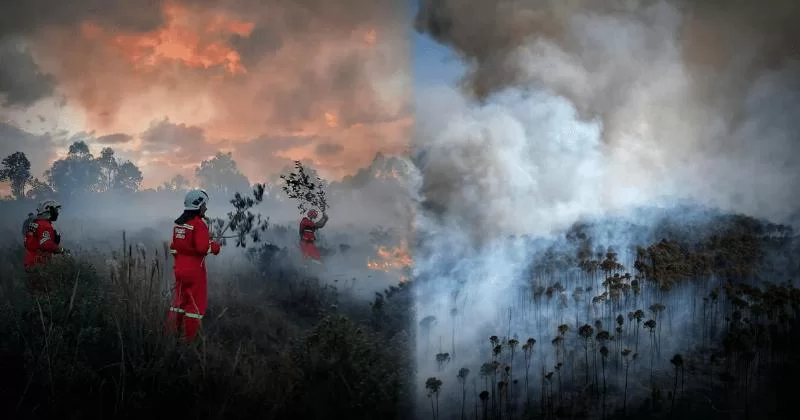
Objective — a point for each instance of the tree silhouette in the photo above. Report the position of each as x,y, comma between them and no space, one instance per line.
78,172
116,175
17,171
220,174
176,183
108,169
129,177
38,189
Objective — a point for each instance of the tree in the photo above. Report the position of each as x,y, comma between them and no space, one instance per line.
79,149
78,172
17,171
176,183
38,190
108,169
128,177
116,175
81,171
220,174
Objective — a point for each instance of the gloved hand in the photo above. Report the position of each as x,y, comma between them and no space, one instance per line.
214,248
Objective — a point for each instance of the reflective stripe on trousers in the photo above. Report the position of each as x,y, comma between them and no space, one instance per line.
186,314
191,315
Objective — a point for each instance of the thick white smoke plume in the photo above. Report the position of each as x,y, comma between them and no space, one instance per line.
602,107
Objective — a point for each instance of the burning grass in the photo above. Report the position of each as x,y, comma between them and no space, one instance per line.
396,260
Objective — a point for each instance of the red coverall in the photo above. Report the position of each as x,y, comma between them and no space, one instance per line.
191,242
308,235
41,243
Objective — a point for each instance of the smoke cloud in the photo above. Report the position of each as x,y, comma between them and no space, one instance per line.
584,109
688,105
237,70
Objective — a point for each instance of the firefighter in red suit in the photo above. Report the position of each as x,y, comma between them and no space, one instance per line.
308,235
42,241
191,242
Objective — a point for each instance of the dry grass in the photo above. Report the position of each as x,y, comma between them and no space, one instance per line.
93,347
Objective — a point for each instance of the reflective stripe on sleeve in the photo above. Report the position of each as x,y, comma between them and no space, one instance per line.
192,315
178,310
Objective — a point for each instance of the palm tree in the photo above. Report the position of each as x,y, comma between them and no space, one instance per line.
463,373
434,385
677,362
585,333
625,354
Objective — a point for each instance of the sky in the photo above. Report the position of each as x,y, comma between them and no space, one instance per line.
168,83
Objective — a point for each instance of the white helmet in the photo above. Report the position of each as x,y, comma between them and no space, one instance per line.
46,206
195,199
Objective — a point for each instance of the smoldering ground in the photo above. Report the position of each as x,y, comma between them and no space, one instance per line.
578,110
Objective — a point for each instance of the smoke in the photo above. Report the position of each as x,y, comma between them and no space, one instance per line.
588,109
248,74
641,71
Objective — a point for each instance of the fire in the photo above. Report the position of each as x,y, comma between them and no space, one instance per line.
331,119
391,259
371,37
196,40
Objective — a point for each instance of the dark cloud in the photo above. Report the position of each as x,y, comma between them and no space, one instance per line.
328,149
261,157
39,149
263,40
715,36
26,17
228,70
21,81
116,138
176,143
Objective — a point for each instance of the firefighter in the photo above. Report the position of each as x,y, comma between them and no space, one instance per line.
191,242
308,235
42,241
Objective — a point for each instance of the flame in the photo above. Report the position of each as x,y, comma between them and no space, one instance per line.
392,259
188,37
331,119
371,37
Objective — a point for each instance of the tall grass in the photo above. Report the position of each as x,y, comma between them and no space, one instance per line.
94,346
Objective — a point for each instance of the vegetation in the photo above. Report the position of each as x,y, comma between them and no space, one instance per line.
93,347
720,322
16,171
306,187
712,295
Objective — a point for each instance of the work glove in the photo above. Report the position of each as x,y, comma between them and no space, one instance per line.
214,248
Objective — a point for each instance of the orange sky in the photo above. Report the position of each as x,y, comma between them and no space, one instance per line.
324,81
